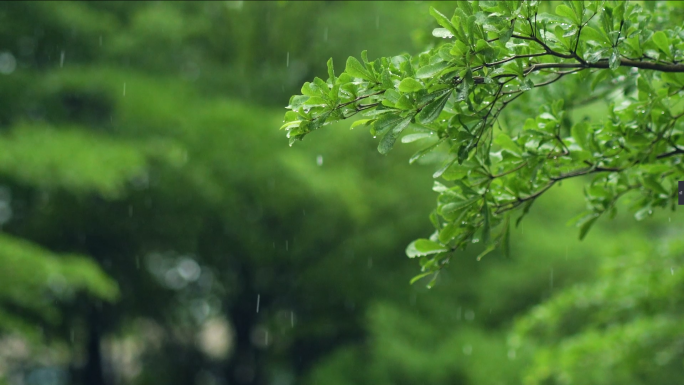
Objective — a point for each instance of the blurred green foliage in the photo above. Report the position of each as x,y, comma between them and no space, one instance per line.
156,229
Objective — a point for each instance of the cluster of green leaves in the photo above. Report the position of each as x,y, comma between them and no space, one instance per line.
452,97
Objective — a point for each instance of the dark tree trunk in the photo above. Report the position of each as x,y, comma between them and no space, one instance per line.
245,366
93,373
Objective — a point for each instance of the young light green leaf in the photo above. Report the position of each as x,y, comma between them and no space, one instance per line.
410,85
419,276
356,69
422,247
579,132
663,42
292,124
360,122
506,143
565,11
432,282
414,137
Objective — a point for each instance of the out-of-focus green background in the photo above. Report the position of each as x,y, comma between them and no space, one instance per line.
155,227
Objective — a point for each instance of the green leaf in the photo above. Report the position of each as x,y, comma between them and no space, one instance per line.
409,85
430,70
360,122
422,247
414,137
486,251
386,122
592,34
387,141
356,69
442,20
526,209
663,42
585,224
486,226
506,143
449,231
331,71
292,124
424,151
459,49
643,213
652,183
614,61
565,11
419,276
431,111
454,206
579,132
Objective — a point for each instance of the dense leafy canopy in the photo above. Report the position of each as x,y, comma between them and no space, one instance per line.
456,99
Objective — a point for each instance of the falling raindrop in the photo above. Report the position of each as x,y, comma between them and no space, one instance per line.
292,319
377,22
61,59
551,279
325,34
258,300
287,60
124,89
370,263
319,160
671,270
100,40
287,246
